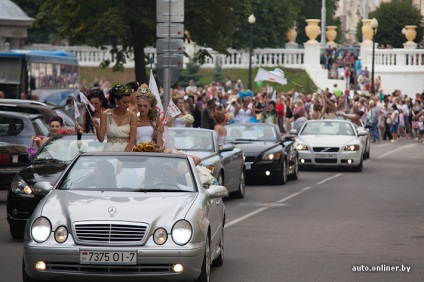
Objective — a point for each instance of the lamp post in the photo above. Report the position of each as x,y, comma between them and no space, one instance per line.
252,21
374,25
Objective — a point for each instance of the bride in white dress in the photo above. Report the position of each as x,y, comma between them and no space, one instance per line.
149,125
118,124
243,113
177,121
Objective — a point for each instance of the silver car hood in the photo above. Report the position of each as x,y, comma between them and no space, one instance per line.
327,140
128,206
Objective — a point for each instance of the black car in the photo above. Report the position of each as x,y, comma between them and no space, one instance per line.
46,166
13,157
267,155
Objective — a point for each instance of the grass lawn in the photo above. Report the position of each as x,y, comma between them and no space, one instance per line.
296,77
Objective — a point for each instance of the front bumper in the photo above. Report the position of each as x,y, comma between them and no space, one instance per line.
263,169
154,263
20,207
341,159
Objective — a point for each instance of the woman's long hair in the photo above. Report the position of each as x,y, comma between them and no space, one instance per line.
94,93
143,92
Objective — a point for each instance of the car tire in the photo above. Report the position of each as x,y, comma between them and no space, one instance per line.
25,277
295,175
359,167
205,274
282,178
241,187
219,261
17,232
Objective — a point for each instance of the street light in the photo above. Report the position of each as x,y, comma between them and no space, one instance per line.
252,21
374,25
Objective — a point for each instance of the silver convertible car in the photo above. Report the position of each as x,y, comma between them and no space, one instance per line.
330,143
126,217
226,163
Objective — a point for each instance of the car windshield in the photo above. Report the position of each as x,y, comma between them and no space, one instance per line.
132,173
251,132
192,140
327,128
65,148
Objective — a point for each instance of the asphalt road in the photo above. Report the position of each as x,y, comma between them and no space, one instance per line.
317,228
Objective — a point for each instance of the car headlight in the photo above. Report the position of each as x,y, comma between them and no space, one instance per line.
301,147
61,234
20,186
40,229
160,236
274,156
181,232
352,148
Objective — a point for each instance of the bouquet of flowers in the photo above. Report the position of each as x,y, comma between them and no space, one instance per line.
229,117
147,147
188,118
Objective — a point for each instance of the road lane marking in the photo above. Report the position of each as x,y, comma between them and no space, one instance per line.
263,209
294,194
398,149
244,217
329,178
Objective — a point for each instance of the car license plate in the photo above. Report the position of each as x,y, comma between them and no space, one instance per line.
106,257
248,165
325,156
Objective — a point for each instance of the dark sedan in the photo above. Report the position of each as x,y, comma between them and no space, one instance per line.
267,155
47,165
13,157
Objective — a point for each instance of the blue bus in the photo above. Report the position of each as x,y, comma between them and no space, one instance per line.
51,75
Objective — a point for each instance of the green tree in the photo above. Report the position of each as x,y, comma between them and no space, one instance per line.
130,25
392,17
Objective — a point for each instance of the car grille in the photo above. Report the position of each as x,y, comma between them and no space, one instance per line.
128,269
325,161
249,159
326,149
109,232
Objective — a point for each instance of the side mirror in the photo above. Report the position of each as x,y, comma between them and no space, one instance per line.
362,133
217,191
227,147
42,188
293,131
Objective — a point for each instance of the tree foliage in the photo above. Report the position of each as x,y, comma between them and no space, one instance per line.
392,18
130,25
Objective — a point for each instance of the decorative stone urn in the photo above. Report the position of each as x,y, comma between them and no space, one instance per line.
312,30
410,33
291,35
331,34
367,31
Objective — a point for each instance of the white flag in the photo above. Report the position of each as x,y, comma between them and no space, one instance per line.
275,76
154,88
173,109
274,96
76,111
84,100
